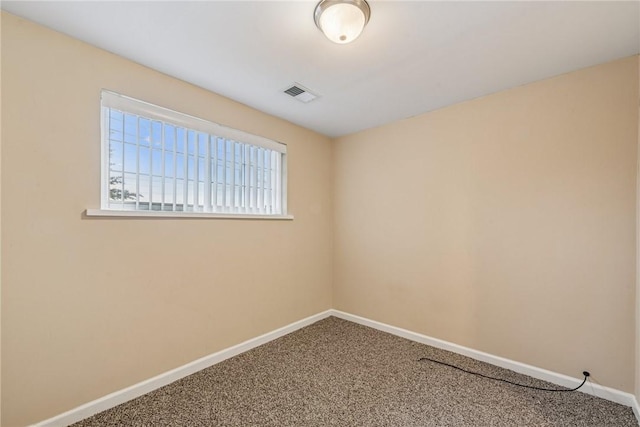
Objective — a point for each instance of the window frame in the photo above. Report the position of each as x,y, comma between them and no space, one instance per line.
128,105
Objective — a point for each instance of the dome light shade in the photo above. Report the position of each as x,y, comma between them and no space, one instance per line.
342,21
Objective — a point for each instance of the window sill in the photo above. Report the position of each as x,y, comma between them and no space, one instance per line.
193,215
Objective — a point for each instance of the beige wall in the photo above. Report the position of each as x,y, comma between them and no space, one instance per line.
90,306
638,256
0,224
505,224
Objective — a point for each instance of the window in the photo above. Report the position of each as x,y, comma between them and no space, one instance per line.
158,160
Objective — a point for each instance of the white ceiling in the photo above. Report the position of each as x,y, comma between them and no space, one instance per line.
413,57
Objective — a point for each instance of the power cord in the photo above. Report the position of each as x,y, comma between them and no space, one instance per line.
585,373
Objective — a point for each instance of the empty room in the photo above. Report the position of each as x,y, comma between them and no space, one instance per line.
319,213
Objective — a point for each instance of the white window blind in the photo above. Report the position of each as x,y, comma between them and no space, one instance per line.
156,159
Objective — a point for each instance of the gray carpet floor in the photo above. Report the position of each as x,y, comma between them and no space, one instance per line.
337,373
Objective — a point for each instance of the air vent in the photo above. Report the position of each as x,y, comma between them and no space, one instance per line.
300,93
294,91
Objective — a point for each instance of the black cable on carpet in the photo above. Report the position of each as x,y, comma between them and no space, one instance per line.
585,373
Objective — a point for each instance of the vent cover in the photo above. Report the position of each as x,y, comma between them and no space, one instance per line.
300,93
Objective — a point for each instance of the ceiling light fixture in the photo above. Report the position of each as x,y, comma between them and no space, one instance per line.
342,21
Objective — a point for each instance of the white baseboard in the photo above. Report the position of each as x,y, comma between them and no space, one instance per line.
144,387
590,387
137,390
